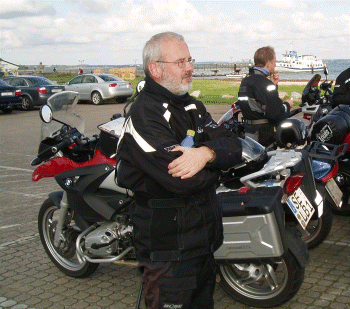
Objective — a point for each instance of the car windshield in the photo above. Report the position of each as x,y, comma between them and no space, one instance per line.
39,81
110,78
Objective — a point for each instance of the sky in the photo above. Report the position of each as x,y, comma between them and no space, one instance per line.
113,32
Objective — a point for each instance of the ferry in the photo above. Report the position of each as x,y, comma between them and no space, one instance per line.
236,75
291,62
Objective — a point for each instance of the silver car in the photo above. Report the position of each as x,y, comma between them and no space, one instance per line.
100,87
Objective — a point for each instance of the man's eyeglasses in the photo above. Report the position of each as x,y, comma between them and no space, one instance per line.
181,63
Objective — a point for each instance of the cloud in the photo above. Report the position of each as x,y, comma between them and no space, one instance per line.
285,4
21,8
94,6
106,30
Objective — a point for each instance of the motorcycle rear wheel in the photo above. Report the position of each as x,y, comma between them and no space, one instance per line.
262,284
64,256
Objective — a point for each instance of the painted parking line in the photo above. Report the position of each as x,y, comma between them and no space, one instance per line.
24,194
337,243
16,169
8,226
18,224
20,240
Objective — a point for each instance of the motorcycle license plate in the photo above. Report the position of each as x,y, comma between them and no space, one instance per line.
334,191
301,207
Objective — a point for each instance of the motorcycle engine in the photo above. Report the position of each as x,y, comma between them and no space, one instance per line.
109,238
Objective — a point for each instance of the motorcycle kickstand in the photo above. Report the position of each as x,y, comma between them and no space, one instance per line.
139,296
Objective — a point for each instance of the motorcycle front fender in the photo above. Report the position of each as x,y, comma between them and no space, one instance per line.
56,198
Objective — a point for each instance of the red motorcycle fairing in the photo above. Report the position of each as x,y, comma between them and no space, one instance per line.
59,165
347,141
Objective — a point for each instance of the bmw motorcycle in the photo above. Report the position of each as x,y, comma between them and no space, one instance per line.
320,167
88,222
329,125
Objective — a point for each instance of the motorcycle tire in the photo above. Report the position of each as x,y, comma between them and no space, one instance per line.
317,230
262,284
64,256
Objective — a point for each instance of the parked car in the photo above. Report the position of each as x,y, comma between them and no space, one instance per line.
10,97
100,87
36,89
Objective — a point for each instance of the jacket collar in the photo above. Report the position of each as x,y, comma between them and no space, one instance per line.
259,70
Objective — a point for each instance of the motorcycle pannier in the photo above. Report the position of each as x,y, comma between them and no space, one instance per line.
253,223
109,136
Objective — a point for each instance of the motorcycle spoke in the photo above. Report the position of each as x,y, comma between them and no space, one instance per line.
247,280
253,276
270,277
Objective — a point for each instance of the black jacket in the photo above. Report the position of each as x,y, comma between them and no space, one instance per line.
258,99
341,93
173,218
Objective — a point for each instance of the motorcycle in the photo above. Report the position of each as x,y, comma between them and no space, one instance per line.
320,166
261,262
331,125
315,104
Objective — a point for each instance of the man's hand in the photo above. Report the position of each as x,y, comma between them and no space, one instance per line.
275,77
190,162
290,101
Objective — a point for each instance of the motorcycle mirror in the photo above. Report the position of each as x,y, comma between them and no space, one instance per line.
140,85
46,113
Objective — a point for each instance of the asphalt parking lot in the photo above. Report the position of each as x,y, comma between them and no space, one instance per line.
28,279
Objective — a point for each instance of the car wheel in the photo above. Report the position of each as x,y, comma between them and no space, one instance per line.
96,98
121,99
27,103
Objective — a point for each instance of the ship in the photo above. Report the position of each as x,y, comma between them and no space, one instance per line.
291,62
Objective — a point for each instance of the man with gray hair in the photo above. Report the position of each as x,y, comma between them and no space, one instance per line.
177,218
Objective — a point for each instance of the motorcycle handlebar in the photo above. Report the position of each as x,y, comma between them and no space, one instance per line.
295,111
49,152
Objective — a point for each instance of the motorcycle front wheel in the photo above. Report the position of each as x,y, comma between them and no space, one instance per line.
262,284
64,256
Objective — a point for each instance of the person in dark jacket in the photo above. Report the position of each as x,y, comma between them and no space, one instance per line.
258,98
177,219
341,94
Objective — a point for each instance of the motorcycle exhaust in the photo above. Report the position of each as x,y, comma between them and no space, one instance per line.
128,263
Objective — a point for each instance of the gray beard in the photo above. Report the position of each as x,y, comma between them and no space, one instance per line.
177,89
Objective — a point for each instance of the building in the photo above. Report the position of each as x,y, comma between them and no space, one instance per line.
7,67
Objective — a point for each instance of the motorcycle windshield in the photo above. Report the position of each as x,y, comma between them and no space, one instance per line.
63,109
252,150
226,117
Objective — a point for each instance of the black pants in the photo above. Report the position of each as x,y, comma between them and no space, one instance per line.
264,134
185,284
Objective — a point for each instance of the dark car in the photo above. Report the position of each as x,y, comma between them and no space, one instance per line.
10,97
35,89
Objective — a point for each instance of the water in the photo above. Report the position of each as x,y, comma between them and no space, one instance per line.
335,67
